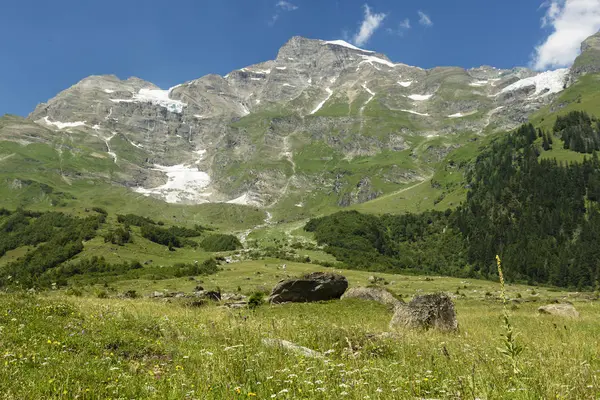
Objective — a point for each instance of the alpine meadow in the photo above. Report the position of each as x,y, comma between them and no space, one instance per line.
328,224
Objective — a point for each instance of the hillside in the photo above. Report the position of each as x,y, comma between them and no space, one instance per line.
323,126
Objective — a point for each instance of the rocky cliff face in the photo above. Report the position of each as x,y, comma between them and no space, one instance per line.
321,119
589,59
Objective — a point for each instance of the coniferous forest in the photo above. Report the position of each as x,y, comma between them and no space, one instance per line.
542,217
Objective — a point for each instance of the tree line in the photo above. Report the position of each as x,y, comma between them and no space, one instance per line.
541,216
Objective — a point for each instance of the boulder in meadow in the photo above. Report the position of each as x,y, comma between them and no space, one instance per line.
426,312
316,286
561,310
379,295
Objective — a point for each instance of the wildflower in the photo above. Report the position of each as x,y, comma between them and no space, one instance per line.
238,390
250,394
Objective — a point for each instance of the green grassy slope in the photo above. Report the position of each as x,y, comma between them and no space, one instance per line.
56,346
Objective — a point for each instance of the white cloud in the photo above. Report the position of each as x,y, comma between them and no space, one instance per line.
281,6
572,21
287,6
403,26
368,27
424,19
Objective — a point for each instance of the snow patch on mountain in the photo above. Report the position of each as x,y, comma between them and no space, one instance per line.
157,97
373,59
545,83
346,44
329,93
419,97
416,113
184,184
63,125
405,84
243,200
478,83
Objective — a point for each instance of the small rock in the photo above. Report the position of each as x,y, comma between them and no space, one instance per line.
208,294
561,310
284,344
198,289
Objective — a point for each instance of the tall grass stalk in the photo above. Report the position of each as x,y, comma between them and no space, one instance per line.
512,349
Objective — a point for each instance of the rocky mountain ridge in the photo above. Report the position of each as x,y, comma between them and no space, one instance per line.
316,121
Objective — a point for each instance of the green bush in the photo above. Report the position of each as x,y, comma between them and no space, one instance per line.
221,242
118,236
256,300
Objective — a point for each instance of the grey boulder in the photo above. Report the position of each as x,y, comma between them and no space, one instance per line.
373,294
316,286
561,310
425,312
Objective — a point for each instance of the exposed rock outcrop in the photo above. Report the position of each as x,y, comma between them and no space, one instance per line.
316,286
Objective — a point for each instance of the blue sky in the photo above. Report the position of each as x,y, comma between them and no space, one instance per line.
46,46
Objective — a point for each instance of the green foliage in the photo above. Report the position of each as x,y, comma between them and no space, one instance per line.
421,243
220,242
100,210
135,220
578,131
119,236
58,236
256,300
542,217
512,349
160,235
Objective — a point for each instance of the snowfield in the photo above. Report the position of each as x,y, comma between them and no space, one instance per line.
348,45
63,125
329,93
184,185
419,97
373,59
416,113
157,97
405,84
552,81
478,83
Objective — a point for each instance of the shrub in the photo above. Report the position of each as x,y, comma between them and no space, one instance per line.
220,242
73,292
100,210
135,220
118,236
256,300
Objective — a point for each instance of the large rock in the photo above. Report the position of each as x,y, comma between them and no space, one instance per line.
426,311
374,294
316,286
561,310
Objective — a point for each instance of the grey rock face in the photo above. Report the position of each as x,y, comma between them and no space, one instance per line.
317,286
427,311
589,59
234,138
